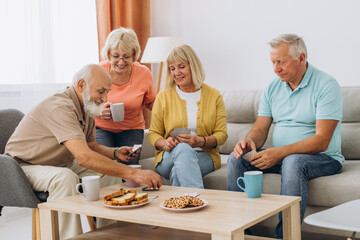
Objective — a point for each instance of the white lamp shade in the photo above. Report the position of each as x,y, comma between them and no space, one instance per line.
157,49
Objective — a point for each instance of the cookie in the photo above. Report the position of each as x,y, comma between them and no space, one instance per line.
176,202
194,201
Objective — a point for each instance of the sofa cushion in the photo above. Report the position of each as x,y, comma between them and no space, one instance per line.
241,106
350,125
333,190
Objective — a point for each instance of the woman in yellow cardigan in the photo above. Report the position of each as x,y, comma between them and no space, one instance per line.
187,103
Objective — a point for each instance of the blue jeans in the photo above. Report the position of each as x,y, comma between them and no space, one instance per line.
296,170
124,138
185,166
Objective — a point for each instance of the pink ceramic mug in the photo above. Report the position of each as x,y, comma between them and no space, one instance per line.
130,182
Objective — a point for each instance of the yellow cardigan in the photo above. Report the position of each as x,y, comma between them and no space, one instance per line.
169,112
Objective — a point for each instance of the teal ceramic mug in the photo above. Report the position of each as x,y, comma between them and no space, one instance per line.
253,183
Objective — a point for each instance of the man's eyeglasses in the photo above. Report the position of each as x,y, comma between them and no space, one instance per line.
124,58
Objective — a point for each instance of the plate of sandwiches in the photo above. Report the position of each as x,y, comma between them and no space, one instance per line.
125,198
183,204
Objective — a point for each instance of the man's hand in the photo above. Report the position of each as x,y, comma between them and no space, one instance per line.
106,113
192,140
267,158
148,177
123,154
243,146
166,144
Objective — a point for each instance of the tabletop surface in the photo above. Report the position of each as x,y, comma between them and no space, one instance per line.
225,212
342,217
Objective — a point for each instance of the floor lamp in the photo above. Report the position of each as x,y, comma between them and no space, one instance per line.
157,50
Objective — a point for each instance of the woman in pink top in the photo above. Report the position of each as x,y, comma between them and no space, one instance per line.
132,85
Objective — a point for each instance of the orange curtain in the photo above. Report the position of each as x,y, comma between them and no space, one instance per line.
112,14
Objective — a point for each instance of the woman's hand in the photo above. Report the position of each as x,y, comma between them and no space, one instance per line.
166,144
106,113
192,140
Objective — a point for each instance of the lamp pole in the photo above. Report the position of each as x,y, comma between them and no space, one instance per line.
159,77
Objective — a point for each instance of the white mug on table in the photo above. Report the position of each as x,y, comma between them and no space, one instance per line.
90,186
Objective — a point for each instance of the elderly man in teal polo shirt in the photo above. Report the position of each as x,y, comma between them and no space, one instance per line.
306,106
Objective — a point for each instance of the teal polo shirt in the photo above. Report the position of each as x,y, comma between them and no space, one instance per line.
294,113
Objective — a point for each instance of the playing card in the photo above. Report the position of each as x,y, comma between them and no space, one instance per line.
135,148
248,155
174,133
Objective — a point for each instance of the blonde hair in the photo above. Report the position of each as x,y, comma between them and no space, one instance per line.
185,54
123,38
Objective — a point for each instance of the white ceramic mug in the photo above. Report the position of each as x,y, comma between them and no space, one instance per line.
90,186
130,182
117,112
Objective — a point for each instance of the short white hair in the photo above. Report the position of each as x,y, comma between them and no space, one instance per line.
297,44
85,73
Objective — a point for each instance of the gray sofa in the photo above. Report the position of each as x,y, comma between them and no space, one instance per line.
324,192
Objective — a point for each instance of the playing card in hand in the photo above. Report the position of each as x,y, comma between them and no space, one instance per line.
248,155
175,133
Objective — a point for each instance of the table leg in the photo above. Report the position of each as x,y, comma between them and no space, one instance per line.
291,222
49,224
237,236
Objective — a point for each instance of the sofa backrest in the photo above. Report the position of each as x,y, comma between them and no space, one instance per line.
350,125
9,119
242,107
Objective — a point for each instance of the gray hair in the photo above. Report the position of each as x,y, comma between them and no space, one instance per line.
297,44
85,73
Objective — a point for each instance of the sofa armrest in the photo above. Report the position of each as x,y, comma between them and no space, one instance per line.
147,150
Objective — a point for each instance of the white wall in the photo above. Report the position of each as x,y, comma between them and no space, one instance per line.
231,36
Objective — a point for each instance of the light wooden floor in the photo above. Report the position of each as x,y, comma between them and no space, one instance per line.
15,223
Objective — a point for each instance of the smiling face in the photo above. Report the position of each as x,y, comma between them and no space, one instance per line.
288,69
93,91
96,93
181,73
120,61
91,107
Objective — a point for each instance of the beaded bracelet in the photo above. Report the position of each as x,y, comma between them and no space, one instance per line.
204,142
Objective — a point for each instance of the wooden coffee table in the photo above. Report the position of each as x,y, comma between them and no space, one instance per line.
226,216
